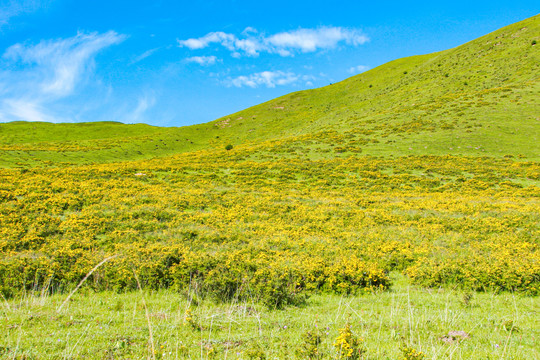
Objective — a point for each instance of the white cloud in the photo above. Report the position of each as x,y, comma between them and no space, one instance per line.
266,78
358,69
250,46
285,43
41,74
203,60
310,40
214,37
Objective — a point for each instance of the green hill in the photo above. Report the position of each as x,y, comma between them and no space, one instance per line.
478,99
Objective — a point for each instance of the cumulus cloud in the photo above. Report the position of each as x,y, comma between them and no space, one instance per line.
252,43
358,69
310,40
203,60
38,75
224,39
269,79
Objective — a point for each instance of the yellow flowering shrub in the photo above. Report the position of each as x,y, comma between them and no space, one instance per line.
244,224
348,345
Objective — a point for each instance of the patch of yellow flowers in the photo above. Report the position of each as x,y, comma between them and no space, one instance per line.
348,345
236,224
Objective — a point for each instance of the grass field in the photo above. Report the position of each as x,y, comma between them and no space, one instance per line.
117,326
398,206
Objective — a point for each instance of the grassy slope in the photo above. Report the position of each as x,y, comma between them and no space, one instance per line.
477,99
496,109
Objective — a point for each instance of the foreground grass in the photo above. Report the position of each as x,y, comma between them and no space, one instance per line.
129,325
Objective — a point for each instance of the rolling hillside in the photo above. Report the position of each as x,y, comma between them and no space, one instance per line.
402,204
478,99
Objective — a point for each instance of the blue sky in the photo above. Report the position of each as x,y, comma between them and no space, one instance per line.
175,63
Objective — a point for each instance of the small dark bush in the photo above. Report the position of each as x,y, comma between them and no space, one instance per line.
228,147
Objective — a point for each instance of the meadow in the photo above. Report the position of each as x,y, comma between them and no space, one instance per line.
393,215
287,238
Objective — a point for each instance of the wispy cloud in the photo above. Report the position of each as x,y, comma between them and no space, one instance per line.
358,69
252,43
143,56
269,79
143,104
13,8
22,109
203,60
46,72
